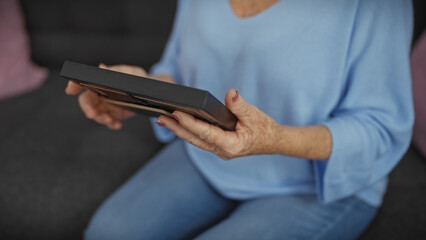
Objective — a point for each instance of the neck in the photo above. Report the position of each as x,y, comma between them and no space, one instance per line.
248,8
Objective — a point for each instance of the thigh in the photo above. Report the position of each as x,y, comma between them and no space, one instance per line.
294,217
166,199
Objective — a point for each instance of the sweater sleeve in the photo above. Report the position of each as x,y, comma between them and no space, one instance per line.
372,124
168,65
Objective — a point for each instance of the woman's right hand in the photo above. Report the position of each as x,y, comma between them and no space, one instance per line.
95,107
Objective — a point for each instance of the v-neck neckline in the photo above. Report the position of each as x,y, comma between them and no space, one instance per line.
259,15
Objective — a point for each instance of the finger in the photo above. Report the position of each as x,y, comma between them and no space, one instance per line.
93,105
89,104
104,119
108,120
133,70
186,135
103,66
117,68
124,113
238,106
73,88
207,132
116,125
118,112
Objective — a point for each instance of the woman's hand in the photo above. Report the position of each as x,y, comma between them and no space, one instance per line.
94,107
254,134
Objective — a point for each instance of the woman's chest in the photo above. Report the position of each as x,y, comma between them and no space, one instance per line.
295,55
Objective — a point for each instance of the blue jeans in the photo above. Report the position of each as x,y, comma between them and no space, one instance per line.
169,199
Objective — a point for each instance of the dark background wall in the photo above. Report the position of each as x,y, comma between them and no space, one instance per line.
419,18
93,31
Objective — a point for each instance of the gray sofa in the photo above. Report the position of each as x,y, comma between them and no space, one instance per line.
56,166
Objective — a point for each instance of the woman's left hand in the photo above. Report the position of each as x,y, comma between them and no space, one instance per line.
255,131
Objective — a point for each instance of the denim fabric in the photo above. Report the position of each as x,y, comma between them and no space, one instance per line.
169,199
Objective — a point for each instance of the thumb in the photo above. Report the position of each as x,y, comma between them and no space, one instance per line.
237,105
101,65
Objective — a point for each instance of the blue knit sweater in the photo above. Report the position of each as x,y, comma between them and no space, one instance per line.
340,63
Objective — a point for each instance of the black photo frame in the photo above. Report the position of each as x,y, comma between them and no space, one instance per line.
148,96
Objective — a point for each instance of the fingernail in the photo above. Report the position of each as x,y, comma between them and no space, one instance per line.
160,123
234,99
176,116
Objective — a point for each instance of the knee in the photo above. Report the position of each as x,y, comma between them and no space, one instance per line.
105,226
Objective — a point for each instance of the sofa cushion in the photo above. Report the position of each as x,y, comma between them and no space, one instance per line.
418,68
17,73
57,166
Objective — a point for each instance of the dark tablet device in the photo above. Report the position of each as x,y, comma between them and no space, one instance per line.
148,96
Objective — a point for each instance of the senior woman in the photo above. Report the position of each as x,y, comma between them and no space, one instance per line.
324,113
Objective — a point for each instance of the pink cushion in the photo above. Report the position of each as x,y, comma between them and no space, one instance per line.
17,73
418,68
